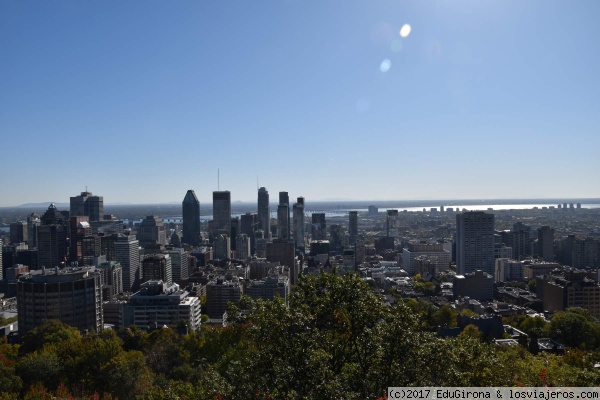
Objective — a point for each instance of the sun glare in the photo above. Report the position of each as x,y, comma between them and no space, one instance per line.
405,30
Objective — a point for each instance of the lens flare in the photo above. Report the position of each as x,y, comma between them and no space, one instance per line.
405,30
385,65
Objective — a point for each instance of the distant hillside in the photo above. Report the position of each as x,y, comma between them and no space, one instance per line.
44,205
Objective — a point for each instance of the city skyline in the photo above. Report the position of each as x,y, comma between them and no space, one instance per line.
385,100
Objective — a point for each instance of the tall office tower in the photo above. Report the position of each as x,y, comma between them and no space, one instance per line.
53,216
127,253
392,223
474,242
73,296
519,241
546,243
282,251
283,221
18,232
1,269
248,226
264,215
299,224
235,230
336,238
33,221
151,232
179,265
352,227
283,216
242,247
221,214
157,267
87,205
52,239
222,247
191,219
319,227
79,228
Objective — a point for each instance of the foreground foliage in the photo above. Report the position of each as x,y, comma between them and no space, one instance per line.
336,339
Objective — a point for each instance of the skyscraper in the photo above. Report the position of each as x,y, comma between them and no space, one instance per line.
319,226
283,215
151,232
474,242
299,224
87,205
264,215
191,219
52,239
352,227
546,243
127,253
221,214
283,221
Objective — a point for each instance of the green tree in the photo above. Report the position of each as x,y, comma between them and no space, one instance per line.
574,328
49,332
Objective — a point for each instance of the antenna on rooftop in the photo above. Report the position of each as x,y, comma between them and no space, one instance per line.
256,182
218,180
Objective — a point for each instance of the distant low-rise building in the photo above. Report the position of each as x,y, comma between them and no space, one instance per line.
477,285
159,303
218,295
269,288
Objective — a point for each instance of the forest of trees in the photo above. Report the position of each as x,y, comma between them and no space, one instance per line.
336,339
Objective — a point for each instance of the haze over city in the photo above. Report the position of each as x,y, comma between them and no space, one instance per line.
388,100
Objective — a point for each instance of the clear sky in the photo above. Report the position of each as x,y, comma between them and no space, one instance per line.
142,100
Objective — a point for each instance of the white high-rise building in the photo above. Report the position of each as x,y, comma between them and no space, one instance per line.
242,247
179,264
127,253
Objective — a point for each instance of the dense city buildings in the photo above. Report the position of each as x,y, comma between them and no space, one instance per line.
87,205
474,242
191,219
70,295
221,214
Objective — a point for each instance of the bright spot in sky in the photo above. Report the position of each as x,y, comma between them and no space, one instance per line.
385,65
405,30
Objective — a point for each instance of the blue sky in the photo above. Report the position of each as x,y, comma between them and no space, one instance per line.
142,100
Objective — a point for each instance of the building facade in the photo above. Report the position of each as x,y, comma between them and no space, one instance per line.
70,295
474,242
191,219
